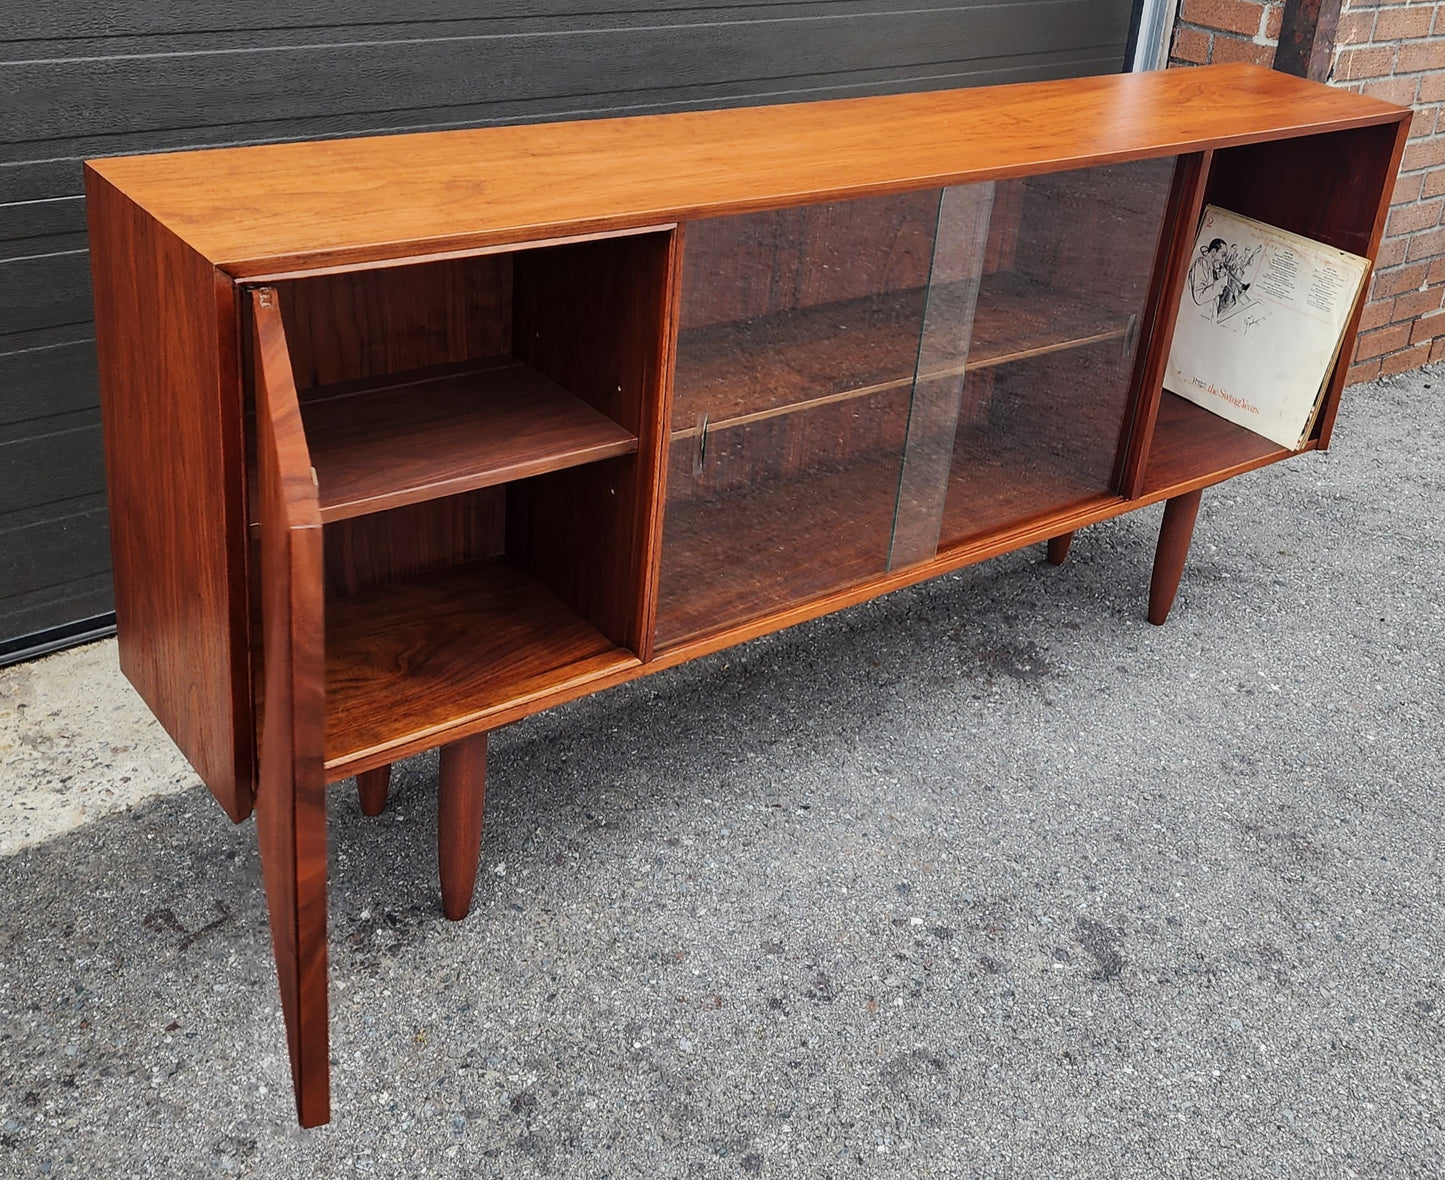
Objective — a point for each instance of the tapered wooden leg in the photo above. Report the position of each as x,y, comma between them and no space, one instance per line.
461,800
372,786
1174,535
1059,548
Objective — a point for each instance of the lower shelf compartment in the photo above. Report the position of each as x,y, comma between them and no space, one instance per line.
1192,444
994,487
752,552
410,660
761,549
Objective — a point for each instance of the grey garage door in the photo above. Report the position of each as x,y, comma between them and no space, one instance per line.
87,78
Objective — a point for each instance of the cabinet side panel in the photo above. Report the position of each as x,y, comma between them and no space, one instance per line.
165,334
1171,260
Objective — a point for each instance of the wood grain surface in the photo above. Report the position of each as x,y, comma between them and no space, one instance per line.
372,787
411,665
761,548
742,267
171,406
755,369
1192,445
366,552
453,190
754,552
1175,532
407,442
593,317
1166,289
1333,188
291,794
369,323
994,485
461,803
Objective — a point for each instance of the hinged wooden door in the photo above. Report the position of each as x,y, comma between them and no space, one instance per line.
291,795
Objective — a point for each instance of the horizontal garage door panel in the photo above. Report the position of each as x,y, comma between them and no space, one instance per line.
117,18
197,89
56,459
88,78
41,382
45,291
53,548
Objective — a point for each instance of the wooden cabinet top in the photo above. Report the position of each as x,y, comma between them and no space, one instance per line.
267,209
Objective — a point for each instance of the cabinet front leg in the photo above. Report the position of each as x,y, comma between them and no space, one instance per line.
460,803
1059,548
372,786
1174,535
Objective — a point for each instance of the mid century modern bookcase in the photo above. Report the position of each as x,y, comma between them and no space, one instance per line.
410,437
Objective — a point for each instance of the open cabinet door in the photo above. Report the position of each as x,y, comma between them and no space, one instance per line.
291,795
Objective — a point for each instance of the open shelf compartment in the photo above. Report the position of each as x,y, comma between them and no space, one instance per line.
1192,446
410,660
1323,186
473,436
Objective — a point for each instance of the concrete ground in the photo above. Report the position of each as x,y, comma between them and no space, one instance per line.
986,878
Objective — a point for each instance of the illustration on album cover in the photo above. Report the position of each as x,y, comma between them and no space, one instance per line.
1221,276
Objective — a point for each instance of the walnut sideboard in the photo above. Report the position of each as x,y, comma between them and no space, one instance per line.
410,437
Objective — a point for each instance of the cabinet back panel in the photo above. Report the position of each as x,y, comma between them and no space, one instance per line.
1325,187
787,446
576,531
735,268
372,323
1095,231
1035,436
364,552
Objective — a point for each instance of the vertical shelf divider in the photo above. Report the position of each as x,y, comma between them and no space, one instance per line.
1176,241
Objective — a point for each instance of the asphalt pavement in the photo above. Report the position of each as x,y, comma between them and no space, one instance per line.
987,878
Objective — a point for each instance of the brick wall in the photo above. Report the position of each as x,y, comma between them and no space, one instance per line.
1395,51
1211,31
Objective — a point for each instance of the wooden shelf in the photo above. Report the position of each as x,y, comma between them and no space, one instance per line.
1191,445
750,370
381,445
1018,318
411,660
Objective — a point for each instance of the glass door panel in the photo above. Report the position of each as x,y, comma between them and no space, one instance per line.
1065,281
796,353
863,382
